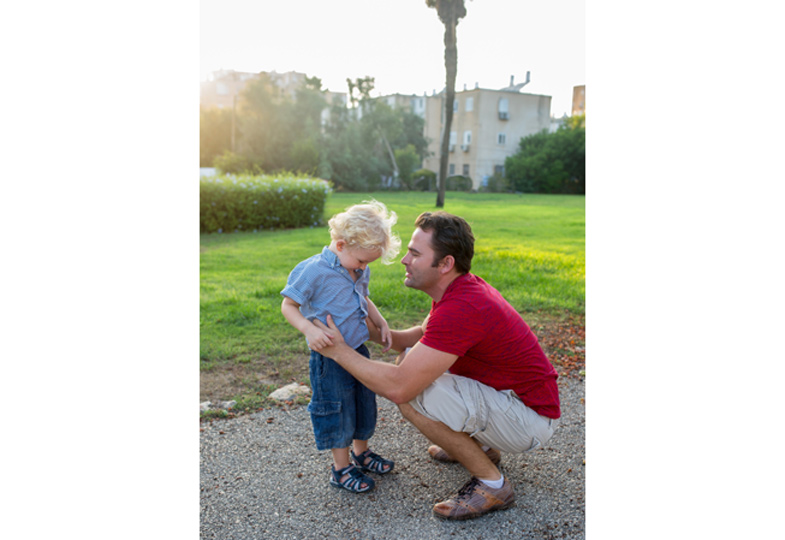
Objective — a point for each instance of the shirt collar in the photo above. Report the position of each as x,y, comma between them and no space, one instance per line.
330,257
454,283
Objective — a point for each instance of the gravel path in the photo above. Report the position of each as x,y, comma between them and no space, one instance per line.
262,477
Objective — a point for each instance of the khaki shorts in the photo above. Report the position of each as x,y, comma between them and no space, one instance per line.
495,418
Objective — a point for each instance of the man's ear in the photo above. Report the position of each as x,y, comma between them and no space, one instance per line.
446,264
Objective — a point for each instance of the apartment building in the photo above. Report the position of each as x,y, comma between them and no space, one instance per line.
486,128
415,104
579,100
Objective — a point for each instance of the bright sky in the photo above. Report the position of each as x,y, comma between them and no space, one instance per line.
400,43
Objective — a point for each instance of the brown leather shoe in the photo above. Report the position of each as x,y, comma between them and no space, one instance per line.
438,453
475,499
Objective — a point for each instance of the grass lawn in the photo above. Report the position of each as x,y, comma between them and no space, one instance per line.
530,247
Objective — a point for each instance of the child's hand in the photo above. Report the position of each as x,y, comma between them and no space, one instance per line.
386,336
318,339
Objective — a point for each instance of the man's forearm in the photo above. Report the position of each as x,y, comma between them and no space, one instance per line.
380,377
406,338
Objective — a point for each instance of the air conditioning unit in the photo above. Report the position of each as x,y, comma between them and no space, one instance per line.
503,116
465,147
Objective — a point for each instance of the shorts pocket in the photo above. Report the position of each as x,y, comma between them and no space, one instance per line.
326,420
477,410
318,366
535,443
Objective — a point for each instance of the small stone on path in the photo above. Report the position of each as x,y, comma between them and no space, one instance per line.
290,392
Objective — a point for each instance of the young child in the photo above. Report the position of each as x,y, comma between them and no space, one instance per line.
335,281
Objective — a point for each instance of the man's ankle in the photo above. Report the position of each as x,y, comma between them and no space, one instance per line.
495,484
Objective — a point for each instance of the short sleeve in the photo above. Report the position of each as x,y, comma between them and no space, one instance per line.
299,285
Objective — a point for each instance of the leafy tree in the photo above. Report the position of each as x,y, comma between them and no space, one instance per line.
364,86
412,129
264,137
231,163
408,160
348,156
304,156
376,118
376,134
449,12
279,133
304,125
550,162
215,134
577,121
352,150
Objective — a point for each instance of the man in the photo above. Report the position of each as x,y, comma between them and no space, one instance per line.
475,381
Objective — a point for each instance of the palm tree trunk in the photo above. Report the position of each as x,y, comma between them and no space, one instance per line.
451,65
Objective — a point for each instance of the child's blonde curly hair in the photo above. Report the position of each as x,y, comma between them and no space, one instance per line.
367,226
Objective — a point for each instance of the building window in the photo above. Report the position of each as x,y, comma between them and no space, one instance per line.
498,169
453,140
504,109
221,89
467,141
455,106
501,138
451,171
466,169
469,104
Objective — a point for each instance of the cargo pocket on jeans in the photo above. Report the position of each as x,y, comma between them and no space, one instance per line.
326,420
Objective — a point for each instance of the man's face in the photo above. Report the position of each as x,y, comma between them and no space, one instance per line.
419,258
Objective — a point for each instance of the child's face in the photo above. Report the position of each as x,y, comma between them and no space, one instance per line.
355,258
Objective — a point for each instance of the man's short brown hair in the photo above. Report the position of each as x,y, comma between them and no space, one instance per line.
452,235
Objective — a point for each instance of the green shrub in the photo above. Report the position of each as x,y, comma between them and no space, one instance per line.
231,163
423,180
249,203
497,184
550,162
458,183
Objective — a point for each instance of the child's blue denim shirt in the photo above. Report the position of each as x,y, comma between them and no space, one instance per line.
321,286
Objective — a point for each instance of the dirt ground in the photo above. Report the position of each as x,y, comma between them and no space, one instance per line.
563,339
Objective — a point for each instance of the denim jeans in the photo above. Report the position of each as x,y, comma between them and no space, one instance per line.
342,408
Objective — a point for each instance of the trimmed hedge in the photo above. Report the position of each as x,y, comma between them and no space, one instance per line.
235,203
458,183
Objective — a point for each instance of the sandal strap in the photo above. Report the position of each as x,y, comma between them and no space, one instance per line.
355,479
376,464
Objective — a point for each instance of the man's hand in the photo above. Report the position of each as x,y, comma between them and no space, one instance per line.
331,330
318,338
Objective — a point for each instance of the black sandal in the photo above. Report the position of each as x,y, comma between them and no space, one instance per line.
376,465
353,482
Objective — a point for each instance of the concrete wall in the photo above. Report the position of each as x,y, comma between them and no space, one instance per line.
526,114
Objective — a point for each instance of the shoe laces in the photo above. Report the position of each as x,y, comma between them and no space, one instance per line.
468,488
